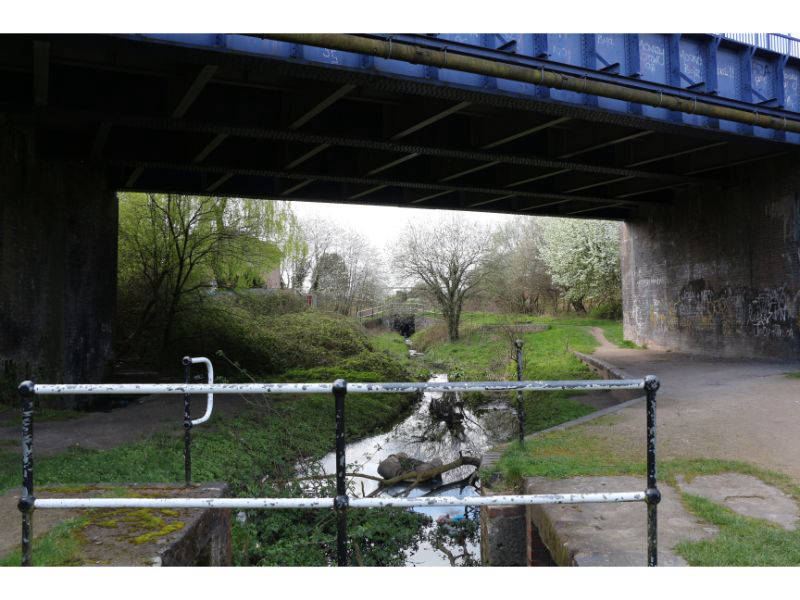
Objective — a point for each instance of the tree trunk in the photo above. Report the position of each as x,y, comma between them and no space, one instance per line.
578,306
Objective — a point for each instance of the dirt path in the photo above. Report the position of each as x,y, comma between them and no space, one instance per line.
104,430
735,409
100,431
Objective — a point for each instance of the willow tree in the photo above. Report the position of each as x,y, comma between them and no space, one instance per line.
447,259
171,246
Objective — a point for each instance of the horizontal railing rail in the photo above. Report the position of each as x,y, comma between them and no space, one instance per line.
777,42
327,388
341,502
245,503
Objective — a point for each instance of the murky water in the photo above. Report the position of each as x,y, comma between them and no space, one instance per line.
426,437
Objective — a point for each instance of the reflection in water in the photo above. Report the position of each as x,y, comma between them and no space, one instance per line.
440,427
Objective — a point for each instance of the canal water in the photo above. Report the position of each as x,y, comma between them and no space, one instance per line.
453,536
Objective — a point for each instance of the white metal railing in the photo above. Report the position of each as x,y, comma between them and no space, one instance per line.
777,42
341,502
376,311
210,396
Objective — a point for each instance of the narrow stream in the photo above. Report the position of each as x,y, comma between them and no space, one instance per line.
425,436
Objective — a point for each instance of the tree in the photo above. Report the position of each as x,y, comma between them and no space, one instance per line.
295,257
519,280
171,246
447,259
331,278
583,258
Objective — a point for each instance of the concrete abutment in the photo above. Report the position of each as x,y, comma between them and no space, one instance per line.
718,271
58,266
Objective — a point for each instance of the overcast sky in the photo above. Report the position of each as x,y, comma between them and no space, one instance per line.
382,224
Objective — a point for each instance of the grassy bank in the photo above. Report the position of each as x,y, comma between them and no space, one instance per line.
256,454
485,352
257,451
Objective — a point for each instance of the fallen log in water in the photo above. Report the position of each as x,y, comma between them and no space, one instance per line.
413,477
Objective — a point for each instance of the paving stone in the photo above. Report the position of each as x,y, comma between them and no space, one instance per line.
611,534
746,495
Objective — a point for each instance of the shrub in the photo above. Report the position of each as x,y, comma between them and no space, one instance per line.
609,310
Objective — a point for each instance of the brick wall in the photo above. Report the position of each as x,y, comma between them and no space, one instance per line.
719,271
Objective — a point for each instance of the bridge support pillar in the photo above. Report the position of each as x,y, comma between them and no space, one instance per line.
719,271
58,264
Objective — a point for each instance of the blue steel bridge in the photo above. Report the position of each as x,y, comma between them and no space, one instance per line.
245,115
691,139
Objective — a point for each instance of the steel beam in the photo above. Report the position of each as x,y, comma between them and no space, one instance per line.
430,197
134,176
367,192
537,178
420,185
596,184
297,186
470,170
41,72
100,139
195,87
430,120
383,145
736,163
525,132
647,161
308,155
322,105
606,144
210,147
214,186
393,163
593,208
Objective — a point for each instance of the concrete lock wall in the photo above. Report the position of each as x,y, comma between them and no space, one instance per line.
58,265
718,272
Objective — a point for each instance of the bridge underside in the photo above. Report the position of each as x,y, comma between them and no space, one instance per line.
712,245
168,118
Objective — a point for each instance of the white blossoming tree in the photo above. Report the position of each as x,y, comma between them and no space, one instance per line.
583,259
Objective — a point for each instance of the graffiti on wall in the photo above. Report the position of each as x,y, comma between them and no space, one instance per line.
770,312
773,312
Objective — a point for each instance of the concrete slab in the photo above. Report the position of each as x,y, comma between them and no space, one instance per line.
746,495
610,534
131,537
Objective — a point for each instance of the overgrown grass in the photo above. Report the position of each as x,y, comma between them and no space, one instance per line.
485,353
793,375
268,344
612,329
390,342
58,547
257,452
741,541
586,451
263,445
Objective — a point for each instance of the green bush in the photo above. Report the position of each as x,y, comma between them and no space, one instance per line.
610,310
365,367
266,344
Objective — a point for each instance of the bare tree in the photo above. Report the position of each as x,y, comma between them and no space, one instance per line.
519,278
448,259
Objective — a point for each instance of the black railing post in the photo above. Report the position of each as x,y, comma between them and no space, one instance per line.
25,504
653,496
187,423
520,403
341,500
